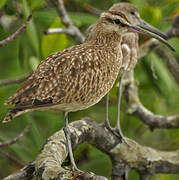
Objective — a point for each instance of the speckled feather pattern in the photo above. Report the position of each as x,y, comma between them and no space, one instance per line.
79,76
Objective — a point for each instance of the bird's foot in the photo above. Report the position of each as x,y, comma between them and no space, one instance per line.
74,168
119,132
116,131
111,129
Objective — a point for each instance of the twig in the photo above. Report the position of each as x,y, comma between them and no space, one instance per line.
71,29
14,80
16,161
14,140
18,32
25,173
67,31
92,9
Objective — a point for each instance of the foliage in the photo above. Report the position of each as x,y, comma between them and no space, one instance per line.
23,54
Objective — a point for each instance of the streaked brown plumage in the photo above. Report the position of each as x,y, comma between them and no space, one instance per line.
78,77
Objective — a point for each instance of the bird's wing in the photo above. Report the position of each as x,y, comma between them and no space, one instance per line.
53,78
39,87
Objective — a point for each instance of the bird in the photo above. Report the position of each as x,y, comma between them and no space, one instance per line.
80,76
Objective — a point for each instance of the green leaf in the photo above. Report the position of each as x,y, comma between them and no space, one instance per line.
2,3
2,33
31,30
37,4
84,19
25,51
54,42
155,15
165,80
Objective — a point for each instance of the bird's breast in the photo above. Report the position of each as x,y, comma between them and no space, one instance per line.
92,80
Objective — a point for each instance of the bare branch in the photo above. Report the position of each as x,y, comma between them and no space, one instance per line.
145,160
12,158
25,173
18,32
137,109
71,29
67,31
21,135
92,9
53,154
14,80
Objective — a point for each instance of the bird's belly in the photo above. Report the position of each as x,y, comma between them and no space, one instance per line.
86,99
71,107
88,90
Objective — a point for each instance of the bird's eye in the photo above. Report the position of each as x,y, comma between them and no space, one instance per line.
117,21
132,12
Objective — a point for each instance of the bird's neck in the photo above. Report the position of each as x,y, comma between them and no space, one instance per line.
98,36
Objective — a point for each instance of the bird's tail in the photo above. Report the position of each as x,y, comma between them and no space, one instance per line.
13,113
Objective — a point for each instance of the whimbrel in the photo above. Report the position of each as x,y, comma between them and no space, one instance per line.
78,77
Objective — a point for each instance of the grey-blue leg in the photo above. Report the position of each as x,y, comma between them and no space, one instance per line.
118,127
67,135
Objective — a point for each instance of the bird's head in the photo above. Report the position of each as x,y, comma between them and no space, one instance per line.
124,17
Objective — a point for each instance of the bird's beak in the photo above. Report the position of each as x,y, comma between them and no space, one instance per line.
147,29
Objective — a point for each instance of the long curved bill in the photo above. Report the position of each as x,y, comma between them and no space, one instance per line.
147,29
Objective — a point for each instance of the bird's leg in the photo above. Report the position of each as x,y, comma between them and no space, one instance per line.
118,127
67,135
106,122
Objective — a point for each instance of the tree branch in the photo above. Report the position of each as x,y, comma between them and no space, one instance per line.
14,80
26,173
136,108
143,159
18,32
71,29
5,153
92,9
14,140
68,31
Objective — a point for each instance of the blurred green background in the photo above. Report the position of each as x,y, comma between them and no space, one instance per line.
160,95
